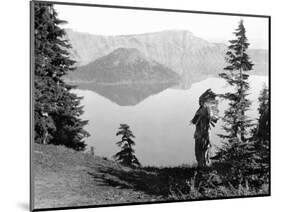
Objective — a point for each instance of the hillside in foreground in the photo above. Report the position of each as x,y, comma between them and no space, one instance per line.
66,178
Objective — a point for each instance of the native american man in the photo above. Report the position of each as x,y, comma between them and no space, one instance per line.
205,117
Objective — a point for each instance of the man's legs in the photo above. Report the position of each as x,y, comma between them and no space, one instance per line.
200,152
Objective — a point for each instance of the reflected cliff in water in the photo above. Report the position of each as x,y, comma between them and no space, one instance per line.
130,94
126,94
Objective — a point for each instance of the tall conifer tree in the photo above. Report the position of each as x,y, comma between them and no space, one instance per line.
237,149
236,122
261,137
263,121
57,110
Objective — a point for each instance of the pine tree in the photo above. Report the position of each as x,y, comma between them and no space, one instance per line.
261,137
237,149
237,124
57,111
263,131
126,155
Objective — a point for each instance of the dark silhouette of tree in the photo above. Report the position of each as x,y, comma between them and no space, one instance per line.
57,111
261,138
238,149
126,155
263,131
236,123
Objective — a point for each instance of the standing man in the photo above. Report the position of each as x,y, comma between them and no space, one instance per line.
205,116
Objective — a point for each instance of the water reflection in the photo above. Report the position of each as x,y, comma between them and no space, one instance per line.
158,115
126,94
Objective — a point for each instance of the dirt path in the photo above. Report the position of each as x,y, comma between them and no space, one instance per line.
64,178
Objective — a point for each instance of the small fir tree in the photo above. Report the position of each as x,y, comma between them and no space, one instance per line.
126,155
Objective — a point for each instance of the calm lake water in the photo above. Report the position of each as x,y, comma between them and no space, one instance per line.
158,116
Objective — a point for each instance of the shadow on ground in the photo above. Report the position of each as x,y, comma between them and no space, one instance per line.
152,181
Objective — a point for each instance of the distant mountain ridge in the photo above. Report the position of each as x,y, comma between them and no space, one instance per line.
189,56
124,66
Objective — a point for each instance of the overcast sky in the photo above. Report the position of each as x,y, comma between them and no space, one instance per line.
111,21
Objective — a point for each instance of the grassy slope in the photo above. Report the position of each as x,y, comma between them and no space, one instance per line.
65,178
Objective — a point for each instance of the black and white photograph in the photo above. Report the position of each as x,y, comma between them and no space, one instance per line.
136,105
